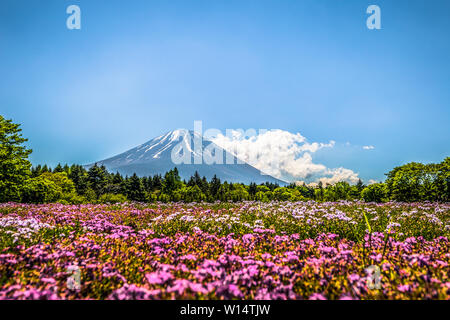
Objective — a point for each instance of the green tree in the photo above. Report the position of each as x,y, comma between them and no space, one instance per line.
58,168
282,194
443,180
223,192
98,179
135,189
80,178
319,193
262,188
261,196
61,180
342,190
40,190
192,194
252,189
14,164
172,182
374,193
355,191
49,187
157,182
329,194
115,184
360,185
36,171
238,193
405,183
214,186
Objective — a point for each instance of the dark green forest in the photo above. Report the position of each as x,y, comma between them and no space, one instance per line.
21,182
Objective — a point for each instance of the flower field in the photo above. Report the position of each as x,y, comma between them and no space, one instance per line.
247,250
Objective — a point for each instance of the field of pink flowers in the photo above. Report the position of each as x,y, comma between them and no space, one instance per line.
249,250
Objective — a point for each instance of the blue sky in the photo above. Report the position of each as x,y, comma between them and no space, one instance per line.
137,69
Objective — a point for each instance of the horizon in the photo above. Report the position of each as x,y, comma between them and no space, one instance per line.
237,159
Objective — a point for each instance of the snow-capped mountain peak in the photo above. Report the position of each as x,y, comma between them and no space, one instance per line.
156,157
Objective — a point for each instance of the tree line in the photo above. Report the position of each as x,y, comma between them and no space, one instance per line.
20,182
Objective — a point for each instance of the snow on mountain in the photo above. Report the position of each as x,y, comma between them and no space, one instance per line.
155,157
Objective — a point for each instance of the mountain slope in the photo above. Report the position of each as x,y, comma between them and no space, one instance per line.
155,157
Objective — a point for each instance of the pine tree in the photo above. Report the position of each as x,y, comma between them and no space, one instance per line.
80,178
252,189
157,182
204,187
135,189
98,179
66,169
214,186
58,168
197,179
117,178
360,185
36,171
172,181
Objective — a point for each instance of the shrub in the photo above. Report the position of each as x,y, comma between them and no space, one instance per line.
374,193
112,198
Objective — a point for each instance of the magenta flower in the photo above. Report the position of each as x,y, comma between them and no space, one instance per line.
317,296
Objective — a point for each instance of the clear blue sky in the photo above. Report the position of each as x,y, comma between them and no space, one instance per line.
137,69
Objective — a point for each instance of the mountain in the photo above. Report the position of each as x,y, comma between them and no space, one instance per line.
155,157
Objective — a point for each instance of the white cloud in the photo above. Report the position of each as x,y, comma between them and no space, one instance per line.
283,154
340,174
368,147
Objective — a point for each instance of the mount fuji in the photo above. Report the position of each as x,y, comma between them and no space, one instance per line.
155,157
